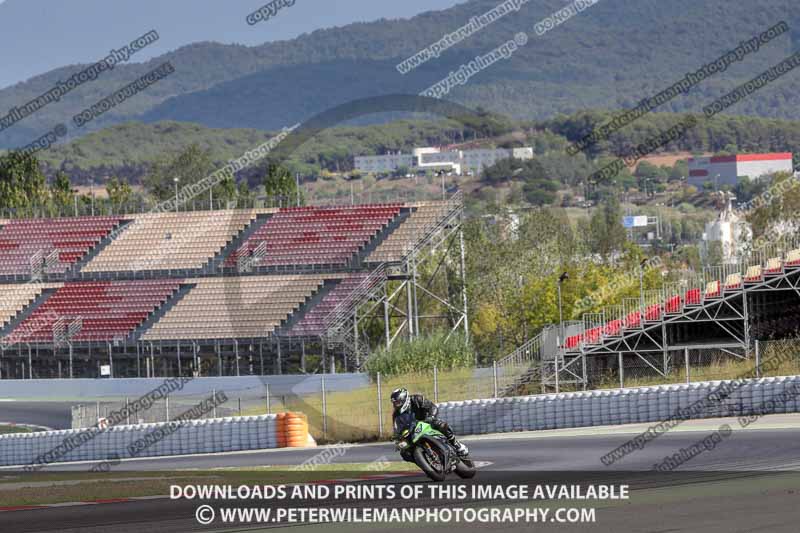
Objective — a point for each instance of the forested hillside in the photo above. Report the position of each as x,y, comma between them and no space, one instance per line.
582,64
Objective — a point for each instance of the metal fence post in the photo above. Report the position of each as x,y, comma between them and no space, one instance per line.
214,404
166,409
324,409
240,406
621,371
127,411
380,407
268,406
494,377
435,385
686,360
758,359
97,412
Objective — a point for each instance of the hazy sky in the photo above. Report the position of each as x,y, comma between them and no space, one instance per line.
39,35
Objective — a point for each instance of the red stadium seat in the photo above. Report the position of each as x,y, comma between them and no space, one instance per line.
107,309
70,238
673,305
692,297
315,235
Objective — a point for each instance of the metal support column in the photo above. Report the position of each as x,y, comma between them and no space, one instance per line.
464,284
279,362
409,311
416,302
746,323
355,341
386,316
557,383
758,359
585,376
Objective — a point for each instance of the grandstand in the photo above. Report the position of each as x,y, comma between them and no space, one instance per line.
242,291
726,308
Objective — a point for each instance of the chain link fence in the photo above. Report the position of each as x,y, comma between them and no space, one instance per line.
338,411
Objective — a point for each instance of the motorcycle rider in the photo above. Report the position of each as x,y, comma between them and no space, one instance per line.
424,410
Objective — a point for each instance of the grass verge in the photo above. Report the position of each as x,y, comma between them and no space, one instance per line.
6,429
60,487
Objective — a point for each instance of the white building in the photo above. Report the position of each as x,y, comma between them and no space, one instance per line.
731,231
727,170
457,161
383,163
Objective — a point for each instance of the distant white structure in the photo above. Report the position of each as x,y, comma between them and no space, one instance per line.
731,231
727,170
456,161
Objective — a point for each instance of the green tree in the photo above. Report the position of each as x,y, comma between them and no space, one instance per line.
279,184
188,166
607,234
119,194
61,193
22,184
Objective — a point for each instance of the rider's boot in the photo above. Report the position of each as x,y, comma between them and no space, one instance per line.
460,447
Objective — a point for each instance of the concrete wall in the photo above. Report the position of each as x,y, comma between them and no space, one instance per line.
87,389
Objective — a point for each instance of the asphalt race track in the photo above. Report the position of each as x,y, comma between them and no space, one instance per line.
53,415
748,493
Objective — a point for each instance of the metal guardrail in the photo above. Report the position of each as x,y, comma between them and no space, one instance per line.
526,353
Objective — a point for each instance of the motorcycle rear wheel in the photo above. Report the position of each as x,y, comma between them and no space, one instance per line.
465,469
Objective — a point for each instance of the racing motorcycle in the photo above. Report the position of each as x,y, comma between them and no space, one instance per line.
419,443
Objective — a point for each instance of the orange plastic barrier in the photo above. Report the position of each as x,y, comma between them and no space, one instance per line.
296,430
281,430
292,430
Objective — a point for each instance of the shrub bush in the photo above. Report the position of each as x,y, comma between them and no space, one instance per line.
422,354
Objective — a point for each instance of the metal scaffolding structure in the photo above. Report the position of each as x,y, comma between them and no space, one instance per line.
390,297
725,308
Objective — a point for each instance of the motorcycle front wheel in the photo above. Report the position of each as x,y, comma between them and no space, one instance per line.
424,456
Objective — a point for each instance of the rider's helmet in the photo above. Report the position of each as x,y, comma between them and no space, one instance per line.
401,400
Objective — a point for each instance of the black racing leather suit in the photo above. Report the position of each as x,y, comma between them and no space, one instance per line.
426,411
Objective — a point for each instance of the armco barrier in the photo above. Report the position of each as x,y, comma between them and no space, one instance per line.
192,437
623,406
